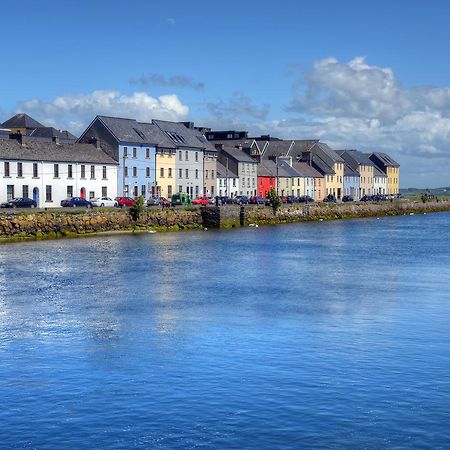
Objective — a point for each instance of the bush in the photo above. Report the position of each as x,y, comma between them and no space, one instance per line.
275,200
138,208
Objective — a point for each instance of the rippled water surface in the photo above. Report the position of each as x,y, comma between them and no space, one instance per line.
322,335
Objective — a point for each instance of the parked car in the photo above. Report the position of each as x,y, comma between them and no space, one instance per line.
330,198
254,200
347,198
241,200
201,201
305,199
20,203
180,199
103,202
157,201
76,202
124,201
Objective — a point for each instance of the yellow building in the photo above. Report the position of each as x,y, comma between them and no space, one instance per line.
361,163
209,175
165,174
389,167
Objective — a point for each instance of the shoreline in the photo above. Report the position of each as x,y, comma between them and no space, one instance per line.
31,226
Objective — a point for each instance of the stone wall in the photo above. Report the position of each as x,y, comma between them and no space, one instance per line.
42,225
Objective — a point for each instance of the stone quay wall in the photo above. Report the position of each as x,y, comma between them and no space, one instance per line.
68,223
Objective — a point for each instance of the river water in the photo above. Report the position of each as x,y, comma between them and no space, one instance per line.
318,335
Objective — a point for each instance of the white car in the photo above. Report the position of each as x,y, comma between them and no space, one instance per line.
103,202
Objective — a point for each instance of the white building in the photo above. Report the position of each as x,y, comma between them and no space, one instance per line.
49,172
379,182
227,182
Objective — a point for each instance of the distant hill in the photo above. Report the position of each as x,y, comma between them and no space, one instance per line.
416,191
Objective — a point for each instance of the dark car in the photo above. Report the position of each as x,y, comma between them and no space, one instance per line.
254,200
20,203
241,200
223,200
292,199
330,198
76,201
305,199
347,198
124,201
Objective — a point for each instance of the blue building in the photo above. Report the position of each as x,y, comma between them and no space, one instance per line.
351,182
133,145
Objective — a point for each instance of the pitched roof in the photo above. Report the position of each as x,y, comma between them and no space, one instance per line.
267,168
22,120
238,154
50,132
384,159
11,149
133,132
349,172
378,173
305,170
223,172
355,156
277,148
182,136
327,151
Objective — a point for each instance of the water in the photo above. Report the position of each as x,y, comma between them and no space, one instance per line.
322,335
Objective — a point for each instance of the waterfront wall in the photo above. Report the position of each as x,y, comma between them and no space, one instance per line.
67,223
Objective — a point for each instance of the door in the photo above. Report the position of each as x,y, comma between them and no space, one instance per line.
36,195
83,193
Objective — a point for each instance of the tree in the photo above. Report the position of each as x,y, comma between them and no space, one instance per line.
138,208
275,200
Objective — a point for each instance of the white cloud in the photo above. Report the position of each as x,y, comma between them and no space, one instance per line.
74,112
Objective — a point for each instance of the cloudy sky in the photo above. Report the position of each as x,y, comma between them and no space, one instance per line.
355,74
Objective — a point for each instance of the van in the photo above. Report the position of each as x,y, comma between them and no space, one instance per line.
180,199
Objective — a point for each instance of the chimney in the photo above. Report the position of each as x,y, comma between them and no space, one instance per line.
96,142
55,139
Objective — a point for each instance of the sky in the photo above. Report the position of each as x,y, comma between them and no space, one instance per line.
374,76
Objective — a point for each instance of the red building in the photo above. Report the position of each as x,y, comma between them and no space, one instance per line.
267,178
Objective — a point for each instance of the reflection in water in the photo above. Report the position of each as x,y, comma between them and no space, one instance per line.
330,334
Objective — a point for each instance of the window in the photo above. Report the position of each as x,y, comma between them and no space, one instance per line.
135,171
126,171
125,152
161,172
147,171
180,173
147,153
25,191
196,156
83,171
136,191
92,172
180,157
20,171
48,193
212,174
206,173
169,190
91,194
187,156
104,176
196,191
253,182
143,190
134,152
6,169
69,191
9,192
170,172
104,191
196,173
126,190
234,182
180,188
187,173
69,171
55,170
35,170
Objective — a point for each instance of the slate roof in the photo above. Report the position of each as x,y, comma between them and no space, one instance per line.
327,151
305,170
133,132
277,148
355,158
300,146
321,166
385,159
50,132
238,155
182,136
222,171
22,120
378,173
267,169
349,172
11,149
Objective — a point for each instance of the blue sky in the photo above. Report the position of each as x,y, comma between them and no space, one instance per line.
366,75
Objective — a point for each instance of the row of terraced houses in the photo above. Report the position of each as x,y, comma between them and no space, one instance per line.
124,157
